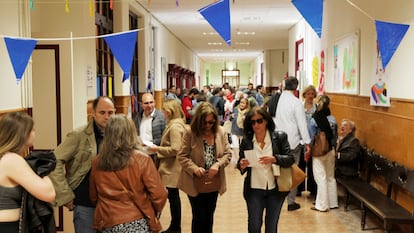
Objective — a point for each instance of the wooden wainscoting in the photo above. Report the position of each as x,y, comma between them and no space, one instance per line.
122,103
389,131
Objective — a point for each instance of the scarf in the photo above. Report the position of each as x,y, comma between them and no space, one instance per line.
240,117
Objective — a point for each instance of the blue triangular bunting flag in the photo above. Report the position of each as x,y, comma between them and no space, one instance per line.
312,11
20,51
218,16
389,37
123,47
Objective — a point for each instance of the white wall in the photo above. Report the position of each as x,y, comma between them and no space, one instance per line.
341,18
277,66
12,24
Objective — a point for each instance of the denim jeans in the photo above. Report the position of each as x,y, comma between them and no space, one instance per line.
259,200
83,219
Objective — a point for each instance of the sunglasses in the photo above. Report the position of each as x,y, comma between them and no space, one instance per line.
209,122
258,121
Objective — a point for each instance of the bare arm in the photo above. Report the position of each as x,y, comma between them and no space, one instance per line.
21,173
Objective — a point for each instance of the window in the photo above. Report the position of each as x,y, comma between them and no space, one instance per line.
104,57
231,76
133,24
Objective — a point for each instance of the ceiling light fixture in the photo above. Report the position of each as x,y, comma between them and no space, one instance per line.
209,33
243,43
214,43
246,33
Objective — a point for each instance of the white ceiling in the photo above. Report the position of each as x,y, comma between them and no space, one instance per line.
269,19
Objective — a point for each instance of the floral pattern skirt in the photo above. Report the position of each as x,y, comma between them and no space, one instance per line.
140,226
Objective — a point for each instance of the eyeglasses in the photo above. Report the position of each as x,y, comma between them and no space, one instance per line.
209,122
149,102
258,121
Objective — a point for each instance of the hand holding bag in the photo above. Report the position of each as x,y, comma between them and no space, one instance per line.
289,177
204,184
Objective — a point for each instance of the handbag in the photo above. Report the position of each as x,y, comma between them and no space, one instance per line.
152,218
289,177
204,184
320,145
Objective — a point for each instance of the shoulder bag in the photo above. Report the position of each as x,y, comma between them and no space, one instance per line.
320,145
203,184
152,218
288,178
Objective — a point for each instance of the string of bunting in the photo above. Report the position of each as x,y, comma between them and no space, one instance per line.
389,35
122,45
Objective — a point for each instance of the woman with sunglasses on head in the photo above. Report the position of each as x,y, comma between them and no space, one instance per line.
260,191
204,153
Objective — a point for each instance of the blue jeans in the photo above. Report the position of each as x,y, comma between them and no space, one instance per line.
257,201
83,219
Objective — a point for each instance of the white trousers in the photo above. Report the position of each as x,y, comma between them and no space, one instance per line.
236,139
323,172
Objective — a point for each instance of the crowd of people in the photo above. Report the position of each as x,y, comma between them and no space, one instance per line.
116,173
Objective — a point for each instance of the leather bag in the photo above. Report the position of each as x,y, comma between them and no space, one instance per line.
203,184
152,218
320,145
289,178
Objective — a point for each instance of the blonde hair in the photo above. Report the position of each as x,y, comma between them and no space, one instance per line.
323,102
309,88
15,129
173,107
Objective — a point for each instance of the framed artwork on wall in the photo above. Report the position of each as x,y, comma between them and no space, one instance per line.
346,64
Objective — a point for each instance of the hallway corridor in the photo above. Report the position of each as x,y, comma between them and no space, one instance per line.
231,214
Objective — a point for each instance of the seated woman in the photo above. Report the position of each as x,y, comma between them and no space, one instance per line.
347,155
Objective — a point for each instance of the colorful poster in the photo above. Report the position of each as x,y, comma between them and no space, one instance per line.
346,64
379,93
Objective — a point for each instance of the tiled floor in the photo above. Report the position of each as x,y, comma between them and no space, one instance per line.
231,214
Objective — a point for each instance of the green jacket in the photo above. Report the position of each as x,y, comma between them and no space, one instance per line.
73,162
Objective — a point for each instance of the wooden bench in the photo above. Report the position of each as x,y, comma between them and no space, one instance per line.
372,199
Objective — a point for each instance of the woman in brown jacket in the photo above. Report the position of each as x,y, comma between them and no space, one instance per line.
118,169
205,152
169,167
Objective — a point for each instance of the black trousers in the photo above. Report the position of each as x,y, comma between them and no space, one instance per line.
9,227
203,206
175,208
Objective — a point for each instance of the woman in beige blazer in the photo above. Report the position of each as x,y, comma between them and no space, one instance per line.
205,151
169,168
